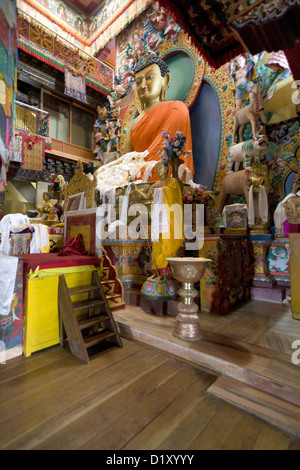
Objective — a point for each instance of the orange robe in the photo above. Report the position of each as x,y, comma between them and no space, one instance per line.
147,134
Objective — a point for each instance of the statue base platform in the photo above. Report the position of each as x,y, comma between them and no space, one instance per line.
269,293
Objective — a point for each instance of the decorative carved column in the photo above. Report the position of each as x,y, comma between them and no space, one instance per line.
260,250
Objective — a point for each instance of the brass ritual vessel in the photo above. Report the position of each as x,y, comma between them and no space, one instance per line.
188,271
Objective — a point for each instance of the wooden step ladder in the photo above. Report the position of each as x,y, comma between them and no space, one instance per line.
87,322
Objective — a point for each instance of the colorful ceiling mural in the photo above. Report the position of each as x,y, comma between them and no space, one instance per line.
87,6
219,29
91,33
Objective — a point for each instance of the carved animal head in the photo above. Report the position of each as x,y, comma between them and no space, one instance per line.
260,142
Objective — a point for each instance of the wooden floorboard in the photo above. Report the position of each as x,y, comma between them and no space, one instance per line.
258,366
128,398
280,413
157,395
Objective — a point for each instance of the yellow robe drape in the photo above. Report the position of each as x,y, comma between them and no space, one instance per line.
168,244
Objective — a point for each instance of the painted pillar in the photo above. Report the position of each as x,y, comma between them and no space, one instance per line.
8,82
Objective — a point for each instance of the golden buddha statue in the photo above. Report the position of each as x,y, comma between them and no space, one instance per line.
47,209
145,137
152,80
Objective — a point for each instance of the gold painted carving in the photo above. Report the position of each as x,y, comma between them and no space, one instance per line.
78,184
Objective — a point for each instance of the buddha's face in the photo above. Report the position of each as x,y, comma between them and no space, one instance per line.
162,170
149,84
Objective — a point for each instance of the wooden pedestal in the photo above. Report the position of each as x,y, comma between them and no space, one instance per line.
227,278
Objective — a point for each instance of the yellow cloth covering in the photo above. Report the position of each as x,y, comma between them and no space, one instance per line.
57,271
147,134
41,314
168,245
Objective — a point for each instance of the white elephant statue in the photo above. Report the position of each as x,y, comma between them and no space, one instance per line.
245,152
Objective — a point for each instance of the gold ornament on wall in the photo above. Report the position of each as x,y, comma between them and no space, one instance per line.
222,85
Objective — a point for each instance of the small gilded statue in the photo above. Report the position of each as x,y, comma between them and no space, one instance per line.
166,230
258,207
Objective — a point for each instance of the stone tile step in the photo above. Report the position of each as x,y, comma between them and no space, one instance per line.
275,411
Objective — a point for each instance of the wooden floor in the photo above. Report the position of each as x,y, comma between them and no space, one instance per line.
150,396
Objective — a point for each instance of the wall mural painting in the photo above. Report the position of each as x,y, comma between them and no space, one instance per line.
106,11
286,138
58,14
144,36
92,33
111,19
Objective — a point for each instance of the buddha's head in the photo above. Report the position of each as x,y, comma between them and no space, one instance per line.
152,79
162,169
46,196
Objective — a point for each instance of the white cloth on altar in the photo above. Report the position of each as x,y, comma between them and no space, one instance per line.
184,170
122,222
279,214
40,238
159,217
110,205
8,272
234,208
6,225
116,173
262,205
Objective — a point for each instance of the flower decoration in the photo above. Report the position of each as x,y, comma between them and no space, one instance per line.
173,147
199,195
32,140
